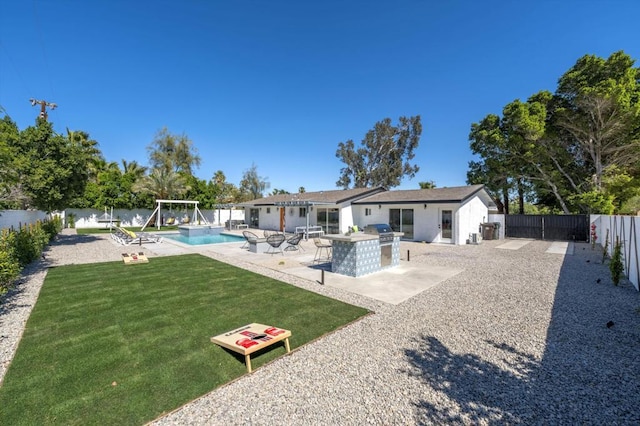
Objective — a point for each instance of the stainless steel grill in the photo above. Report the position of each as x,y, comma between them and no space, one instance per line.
383,230
385,234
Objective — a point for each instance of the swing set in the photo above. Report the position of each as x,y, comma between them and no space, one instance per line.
196,218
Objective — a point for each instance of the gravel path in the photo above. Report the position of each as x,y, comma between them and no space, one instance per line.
519,337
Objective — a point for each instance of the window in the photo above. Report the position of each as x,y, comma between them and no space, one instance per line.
268,210
303,212
329,219
367,212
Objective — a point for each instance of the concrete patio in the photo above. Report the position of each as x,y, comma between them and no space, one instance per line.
394,285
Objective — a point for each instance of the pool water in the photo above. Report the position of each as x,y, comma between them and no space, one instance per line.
196,240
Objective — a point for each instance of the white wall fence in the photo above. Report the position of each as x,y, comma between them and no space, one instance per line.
93,218
625,228
499,218
14,218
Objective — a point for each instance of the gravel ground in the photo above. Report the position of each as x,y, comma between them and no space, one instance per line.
519,337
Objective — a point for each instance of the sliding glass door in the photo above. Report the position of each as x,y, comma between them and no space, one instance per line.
401,220
329,219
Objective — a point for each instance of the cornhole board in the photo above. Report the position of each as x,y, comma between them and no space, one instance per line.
133,258
251,338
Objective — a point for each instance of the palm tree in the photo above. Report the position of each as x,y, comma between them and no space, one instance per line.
163,184
133,168
427,185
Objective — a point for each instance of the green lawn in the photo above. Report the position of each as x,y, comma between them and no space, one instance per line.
113,344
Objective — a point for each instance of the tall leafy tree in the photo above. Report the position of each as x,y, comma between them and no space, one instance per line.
225,192
11,194
383,159
53,169
252,185
173,152
574,149
488,142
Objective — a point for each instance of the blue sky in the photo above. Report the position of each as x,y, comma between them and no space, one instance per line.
279,84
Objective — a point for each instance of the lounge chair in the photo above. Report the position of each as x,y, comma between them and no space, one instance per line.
170,221
126,237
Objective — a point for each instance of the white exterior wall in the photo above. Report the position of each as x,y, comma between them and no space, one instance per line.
293,218
346,214
469,217
378,215
270,220
430,230
426,220
219,217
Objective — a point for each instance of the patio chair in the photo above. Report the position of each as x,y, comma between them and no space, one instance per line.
320,246
248,235
268,233
275,241
294,243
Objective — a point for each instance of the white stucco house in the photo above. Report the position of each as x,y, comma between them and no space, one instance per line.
442,215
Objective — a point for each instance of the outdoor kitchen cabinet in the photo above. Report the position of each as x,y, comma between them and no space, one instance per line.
360,254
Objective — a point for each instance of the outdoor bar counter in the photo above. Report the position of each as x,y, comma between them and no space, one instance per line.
360,254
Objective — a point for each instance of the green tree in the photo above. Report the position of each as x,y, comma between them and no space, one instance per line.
488,142
163,184
276,191
133,168
555,150
301,190
252,185
225,192
90,148
597,117
11,194
173,152
384,156
427,185
53,169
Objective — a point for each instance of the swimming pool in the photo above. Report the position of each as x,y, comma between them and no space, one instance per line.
197,240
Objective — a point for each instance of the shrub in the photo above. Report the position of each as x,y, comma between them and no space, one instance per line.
30,241
615,266
9,266
52,227
606,247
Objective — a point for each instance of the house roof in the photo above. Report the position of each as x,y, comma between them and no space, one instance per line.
337,196
426,196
